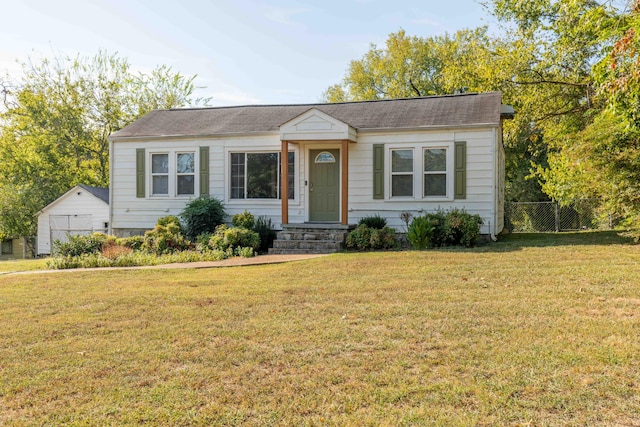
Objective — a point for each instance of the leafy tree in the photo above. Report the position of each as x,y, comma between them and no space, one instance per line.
54,122
469,60
416,66
603,159
543,62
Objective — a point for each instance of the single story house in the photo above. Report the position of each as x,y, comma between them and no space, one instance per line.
80,211
344,161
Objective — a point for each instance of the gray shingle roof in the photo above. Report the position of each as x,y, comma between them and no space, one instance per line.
433,111
100,192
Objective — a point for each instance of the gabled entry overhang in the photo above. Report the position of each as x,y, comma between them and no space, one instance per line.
315,126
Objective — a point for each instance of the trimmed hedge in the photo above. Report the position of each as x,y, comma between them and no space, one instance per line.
452,228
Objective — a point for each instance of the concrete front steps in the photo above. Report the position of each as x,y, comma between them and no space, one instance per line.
310,239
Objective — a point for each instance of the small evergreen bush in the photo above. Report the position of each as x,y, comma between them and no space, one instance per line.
364,238
375,221
244,220
202,215
453,228
462,228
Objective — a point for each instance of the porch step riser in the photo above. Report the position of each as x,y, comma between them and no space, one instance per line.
309,240
334,237
321,245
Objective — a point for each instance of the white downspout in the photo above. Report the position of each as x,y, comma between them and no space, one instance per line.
110,228
494,188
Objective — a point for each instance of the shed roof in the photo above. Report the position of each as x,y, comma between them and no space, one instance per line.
423,112
100,192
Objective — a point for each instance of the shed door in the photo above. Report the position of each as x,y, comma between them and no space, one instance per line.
63,226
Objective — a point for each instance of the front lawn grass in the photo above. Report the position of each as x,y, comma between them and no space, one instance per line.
22,265
504,334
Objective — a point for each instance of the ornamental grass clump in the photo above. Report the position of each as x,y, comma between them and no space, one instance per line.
264,227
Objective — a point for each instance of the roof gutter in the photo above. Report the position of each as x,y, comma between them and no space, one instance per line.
113,138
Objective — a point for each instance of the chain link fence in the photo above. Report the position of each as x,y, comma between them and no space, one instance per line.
542,217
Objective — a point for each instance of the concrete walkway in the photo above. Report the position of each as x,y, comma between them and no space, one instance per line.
229,262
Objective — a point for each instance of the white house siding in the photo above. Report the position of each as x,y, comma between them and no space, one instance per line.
132,215
78,202
480,185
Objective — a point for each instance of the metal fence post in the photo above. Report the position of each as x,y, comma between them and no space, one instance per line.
557,208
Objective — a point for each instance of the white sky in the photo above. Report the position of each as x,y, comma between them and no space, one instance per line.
243,51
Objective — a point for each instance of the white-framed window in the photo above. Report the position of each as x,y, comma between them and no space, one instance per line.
185,174
402,172
160,174
256,175
421,171
435,172
173,173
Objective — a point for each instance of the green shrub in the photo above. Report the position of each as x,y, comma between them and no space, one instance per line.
133,242
202,242
266,232
79,245
228,239
462,228
244,220
359,238
453,228
365,238
374,221
171,219
165,238
202,215
245,252
131,259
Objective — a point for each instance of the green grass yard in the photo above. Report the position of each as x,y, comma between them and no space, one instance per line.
533,330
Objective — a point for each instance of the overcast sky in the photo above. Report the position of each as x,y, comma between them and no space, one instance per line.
243,51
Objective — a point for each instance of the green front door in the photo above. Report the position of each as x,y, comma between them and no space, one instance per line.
324,186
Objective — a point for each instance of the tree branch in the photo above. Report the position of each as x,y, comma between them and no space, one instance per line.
555,82
415,89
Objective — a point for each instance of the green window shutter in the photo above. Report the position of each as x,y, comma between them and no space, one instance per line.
378,171
204,171
460,173
140,181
